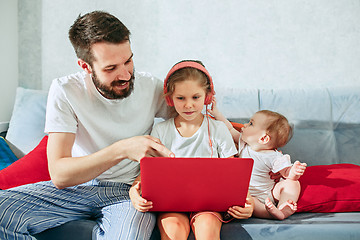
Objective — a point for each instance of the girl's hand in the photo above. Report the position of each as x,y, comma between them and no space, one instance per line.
137,201
243,212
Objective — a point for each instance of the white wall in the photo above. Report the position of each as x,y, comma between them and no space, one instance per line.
261,43
8,58
249,43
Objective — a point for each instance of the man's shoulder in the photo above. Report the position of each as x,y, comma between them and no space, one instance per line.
146,76
70,85
143,74
72,79
147,85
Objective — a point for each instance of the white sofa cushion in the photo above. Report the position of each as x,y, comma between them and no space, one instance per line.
26,127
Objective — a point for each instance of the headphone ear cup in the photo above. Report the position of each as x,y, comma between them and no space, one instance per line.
169,101
208,98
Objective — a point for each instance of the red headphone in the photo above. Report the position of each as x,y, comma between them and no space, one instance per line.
192,64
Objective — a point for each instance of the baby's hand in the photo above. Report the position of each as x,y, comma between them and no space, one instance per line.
275,176
137,201
213,107
214,111
297,170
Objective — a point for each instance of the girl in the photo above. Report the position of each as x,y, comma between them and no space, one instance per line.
187,88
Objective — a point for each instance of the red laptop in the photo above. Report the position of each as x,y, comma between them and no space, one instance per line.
195,184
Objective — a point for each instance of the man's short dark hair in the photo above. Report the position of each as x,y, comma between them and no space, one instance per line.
94,27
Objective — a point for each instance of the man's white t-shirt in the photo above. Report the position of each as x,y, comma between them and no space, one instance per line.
197,145
75,106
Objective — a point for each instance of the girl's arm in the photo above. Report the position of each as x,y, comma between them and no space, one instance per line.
137,201
220,117
243,212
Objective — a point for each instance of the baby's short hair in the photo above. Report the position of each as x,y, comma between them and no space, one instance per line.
279,128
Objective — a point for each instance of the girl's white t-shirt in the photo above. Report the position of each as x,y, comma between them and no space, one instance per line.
197,145
75,106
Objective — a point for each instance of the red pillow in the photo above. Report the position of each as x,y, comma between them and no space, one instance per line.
31,168
330,188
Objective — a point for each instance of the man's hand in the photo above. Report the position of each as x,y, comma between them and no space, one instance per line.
136,148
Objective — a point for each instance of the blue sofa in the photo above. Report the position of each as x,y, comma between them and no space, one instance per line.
326,129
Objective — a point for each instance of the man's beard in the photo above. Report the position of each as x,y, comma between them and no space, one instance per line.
108,92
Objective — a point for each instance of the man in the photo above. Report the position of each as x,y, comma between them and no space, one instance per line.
96,120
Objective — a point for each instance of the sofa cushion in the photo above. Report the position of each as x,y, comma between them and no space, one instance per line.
29,169
7,157
27,123
330,188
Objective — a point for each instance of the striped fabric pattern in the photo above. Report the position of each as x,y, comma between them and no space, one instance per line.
7,157
33,208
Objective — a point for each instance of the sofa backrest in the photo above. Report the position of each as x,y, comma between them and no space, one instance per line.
326,120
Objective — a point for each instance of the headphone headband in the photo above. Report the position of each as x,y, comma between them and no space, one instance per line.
192,64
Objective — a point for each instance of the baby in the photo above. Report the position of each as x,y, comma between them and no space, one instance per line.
259,140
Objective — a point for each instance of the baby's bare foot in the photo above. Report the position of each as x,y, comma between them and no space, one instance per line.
288,208
272,209
283,211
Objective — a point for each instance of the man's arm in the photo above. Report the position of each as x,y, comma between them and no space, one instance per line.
66,170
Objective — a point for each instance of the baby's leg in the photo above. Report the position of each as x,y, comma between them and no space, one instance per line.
207,226
260,210
282,211
287,192
173,225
